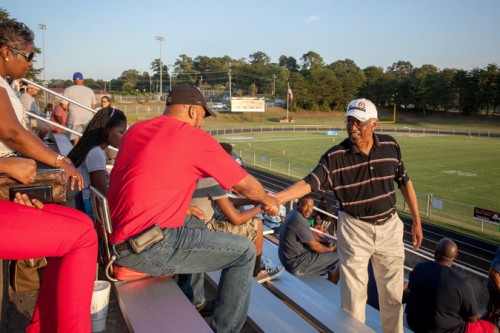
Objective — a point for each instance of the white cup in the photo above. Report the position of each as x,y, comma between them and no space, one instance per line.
99,305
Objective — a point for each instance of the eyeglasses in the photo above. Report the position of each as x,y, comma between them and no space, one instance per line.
27,55
103,101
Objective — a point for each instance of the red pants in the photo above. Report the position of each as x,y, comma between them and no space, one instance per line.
67,237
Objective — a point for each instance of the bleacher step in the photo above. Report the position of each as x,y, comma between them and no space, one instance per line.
319,307
157,305
267,313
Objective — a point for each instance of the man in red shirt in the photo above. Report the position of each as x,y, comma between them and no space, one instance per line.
153,179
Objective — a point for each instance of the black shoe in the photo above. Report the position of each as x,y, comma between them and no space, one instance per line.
207,309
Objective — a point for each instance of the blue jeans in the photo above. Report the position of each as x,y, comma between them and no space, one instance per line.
192,285
189,250
318,264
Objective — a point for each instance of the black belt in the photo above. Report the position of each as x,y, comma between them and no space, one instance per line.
379,221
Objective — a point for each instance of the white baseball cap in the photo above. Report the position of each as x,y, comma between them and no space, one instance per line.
361,109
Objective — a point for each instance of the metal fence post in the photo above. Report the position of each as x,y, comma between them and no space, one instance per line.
429,204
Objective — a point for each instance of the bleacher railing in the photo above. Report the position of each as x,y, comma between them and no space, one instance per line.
48,121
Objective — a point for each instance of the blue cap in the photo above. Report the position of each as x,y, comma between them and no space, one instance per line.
78,76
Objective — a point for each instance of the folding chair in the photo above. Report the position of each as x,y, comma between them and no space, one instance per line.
102,221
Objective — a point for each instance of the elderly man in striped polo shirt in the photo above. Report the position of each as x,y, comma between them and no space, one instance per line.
361,172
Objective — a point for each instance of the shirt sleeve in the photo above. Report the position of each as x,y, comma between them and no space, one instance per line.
468,308
213,161
215,192
402,177
95,160
318,179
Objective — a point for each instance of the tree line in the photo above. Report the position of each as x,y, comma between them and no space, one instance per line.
315,84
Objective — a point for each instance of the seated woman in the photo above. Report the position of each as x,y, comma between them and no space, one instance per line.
106,128
66,237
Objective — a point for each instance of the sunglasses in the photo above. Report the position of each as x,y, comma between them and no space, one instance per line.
27,55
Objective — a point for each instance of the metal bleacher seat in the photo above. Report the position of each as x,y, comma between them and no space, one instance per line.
148,304
315,289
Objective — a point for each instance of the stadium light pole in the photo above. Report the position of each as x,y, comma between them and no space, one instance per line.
160,39
230,87
43,27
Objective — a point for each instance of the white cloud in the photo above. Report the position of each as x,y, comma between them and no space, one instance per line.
311,19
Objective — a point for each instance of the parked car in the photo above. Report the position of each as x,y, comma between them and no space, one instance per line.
220,106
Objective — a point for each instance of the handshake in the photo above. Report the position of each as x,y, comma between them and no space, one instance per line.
271,206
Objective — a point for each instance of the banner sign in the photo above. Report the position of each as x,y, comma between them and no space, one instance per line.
486,215
248,104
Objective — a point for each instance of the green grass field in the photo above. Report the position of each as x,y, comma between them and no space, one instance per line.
459,171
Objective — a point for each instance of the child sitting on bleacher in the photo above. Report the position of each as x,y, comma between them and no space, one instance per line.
105,129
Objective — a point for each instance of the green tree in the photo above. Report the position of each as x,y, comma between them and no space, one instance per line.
4,15
184,70
378,87
325,90
165,76
259,58
422,81
464,82
446,89
289,62
129,79
311,60
488,93
351,79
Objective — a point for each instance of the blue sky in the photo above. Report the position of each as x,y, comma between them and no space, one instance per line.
103,38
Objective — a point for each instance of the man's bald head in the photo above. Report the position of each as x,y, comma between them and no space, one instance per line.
446,251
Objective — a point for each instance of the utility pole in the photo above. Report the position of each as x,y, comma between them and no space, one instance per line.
160,39
169,78
274,84
230,88
287,99
43,27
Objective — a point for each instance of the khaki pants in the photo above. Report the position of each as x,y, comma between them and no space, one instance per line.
358,242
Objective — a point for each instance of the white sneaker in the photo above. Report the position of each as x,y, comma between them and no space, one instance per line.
269,273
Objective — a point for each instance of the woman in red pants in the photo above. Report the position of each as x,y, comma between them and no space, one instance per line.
64,235
27,228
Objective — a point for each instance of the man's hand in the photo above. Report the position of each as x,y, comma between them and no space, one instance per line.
196,211
417,235
272,205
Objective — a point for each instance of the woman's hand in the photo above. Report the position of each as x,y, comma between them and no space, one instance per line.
72,173
23,199
22,169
